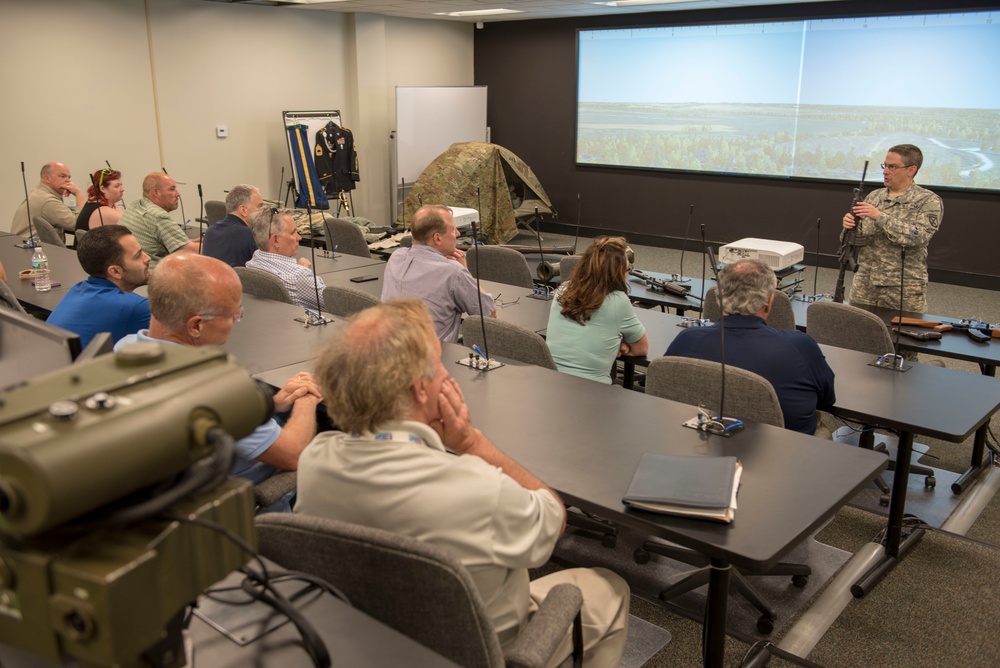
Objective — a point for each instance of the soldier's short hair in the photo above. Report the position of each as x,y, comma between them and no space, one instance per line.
239,196
910,154
746,286
428,220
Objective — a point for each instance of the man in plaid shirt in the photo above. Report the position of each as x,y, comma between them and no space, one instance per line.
277,243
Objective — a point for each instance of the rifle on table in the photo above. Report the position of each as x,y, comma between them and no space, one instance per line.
976,329
850,244
661,284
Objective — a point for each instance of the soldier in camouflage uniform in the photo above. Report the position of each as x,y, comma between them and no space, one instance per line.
901,215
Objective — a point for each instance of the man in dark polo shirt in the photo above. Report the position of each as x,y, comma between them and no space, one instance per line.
230,239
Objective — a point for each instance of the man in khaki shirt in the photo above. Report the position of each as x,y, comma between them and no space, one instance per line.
46,201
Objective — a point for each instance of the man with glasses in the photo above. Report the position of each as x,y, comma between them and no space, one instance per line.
902,215
196,301
277,245
106,301
434,270
150,221
46,201
230,239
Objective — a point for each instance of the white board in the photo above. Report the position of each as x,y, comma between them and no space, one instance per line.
429,119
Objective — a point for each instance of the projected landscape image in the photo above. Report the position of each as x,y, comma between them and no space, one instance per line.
776,99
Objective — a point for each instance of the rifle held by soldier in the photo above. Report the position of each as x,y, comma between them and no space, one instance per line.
850,244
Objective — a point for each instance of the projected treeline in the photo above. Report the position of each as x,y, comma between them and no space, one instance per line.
788,140
811,99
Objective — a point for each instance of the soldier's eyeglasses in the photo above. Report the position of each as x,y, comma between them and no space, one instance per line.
893,168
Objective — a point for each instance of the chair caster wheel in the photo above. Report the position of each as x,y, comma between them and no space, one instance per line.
609,541
930,482
884,500
800,581
641,556
765,625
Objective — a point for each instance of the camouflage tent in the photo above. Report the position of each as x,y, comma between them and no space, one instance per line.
503,180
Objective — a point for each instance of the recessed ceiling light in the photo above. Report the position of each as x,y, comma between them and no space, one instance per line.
480,12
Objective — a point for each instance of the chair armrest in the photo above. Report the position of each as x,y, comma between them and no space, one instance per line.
539,639
271,490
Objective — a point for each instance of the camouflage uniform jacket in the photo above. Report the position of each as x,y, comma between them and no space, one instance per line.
908,220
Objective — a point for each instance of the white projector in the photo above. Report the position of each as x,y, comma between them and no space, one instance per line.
777,255
464,217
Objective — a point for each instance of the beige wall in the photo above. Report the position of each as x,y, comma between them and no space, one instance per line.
212,64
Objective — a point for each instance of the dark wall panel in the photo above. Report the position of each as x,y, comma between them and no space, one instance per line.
530,68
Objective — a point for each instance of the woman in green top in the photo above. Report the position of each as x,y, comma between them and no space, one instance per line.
592,321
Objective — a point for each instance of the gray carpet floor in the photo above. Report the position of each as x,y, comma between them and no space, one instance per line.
938,606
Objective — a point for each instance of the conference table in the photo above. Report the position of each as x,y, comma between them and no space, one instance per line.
954,345
64,268
933,401
328,263
643,293
791,482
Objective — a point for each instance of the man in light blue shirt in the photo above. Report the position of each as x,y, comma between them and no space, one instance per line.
434,270
195,301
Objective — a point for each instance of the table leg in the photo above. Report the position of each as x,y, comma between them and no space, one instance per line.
895,546
978,448
714,634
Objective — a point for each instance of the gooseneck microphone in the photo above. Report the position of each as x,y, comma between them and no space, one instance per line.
543,292
480,359
680,278
124,208
815,294
201,222
31,242
97,198
180,200
703,251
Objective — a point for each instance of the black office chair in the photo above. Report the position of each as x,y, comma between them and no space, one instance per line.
346,236
263,284
749,397
500,264
48,233
345,301
780,317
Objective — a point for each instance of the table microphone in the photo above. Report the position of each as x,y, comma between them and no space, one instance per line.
543,292
480,359
201,222
311,319
680,278
180,200
97,198
703,250
893,360
814,297
31,242
124,208
720,424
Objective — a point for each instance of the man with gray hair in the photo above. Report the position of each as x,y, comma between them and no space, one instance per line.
790,360
277,244
410,461
46,200
196,301
434,270
231,239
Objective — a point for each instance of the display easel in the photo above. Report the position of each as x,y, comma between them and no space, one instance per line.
314,122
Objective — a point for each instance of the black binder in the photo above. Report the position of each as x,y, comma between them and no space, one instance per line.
701,487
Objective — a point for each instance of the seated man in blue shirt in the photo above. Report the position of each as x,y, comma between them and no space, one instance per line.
196,301
434,270
105,302
791,361
230,239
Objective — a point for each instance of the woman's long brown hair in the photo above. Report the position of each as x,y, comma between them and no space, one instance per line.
601,271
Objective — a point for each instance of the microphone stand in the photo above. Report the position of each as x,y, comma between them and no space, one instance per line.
543,292
680,278
720,424
313,319
184,221
31,241
124,208
201,222
480,359
97,198
814,297
703,251
894,361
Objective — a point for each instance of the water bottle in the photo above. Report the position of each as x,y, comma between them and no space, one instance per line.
40,266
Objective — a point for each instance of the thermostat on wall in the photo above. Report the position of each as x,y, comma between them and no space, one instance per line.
221,131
